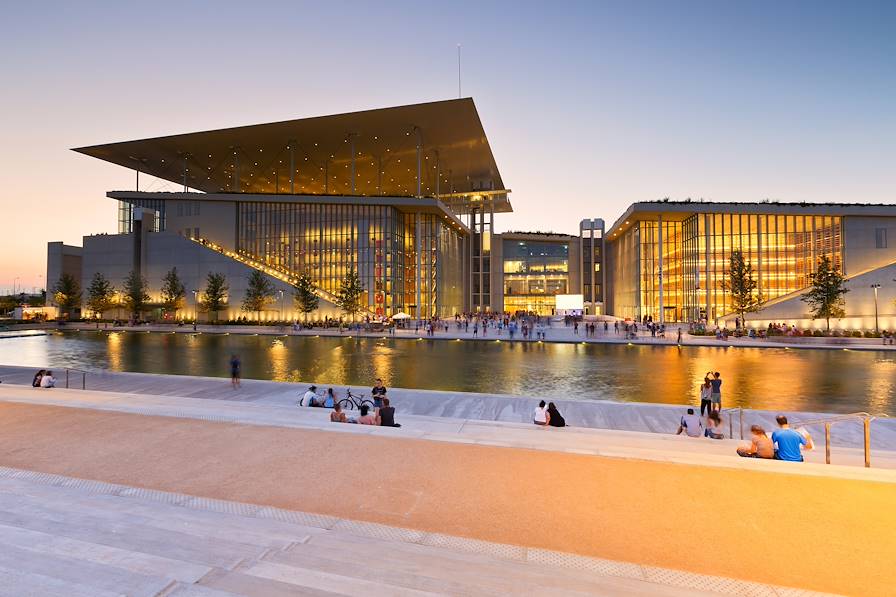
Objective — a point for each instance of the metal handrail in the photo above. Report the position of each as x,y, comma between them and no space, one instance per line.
740,411
866,419
83,376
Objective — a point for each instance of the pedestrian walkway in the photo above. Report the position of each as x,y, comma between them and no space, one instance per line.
592,414
73,537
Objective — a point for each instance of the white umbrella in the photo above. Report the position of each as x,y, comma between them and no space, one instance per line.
401,315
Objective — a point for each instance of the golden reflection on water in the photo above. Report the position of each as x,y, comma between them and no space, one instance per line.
769,378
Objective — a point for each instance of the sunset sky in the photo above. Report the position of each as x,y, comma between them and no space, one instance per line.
588,106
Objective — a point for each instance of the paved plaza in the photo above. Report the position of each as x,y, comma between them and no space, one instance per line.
635,498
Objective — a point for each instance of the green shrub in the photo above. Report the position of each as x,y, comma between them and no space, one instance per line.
856,334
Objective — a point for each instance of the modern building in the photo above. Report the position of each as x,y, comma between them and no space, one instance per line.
407,197
667,260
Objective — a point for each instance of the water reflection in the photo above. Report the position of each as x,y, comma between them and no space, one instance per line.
818,380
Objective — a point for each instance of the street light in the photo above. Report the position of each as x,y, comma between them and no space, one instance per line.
875,287
195,305
280,316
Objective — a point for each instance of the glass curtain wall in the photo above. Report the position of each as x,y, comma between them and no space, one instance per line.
783,250
534,272
126,214
326,241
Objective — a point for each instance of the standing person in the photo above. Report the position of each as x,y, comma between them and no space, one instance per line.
235,367
679,335
541,416
788,442
555,419
691,424
705,397
378,393
716,383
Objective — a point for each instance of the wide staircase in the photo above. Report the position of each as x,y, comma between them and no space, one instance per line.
279,273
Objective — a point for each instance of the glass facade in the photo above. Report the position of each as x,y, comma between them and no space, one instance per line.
126,214
695,254
534,272
409,262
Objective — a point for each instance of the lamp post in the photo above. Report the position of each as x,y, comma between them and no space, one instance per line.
280,316
875,287
195,305
14,285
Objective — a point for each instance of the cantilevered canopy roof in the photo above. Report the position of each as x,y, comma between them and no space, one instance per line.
314,155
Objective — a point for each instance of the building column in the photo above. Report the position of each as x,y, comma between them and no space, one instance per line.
707,250
417,276
659,246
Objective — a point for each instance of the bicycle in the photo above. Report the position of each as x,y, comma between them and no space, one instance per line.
352,401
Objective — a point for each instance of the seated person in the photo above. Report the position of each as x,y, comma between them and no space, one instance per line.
555,419
788,442
386,415
761,445
691,424
37,377
329,399
367,418
309,397
541,416
713,426
337,416
48,381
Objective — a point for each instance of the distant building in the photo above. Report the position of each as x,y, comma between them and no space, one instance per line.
407,197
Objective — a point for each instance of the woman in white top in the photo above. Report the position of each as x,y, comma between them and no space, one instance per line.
541,416
48,381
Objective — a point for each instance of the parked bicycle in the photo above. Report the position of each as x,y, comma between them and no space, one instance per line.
352,401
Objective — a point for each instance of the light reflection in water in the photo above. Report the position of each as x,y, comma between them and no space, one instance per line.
815,380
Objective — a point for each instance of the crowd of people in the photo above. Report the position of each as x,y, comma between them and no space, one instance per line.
783,444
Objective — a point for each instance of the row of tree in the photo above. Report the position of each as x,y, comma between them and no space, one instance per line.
827,285
101,294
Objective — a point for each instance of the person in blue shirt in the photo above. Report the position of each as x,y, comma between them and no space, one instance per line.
788,443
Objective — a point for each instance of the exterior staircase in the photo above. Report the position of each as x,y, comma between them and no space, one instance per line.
279,273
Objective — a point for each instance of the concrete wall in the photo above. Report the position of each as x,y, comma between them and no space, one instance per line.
859,240
61,259
859,306
215,220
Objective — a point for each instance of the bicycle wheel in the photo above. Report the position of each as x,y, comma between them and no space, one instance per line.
369,404
346,404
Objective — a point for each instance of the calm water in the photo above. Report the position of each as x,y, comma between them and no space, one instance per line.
770,378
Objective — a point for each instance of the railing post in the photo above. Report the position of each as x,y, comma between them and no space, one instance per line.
66,378
83,380
866,423
827,443
730,426
741,423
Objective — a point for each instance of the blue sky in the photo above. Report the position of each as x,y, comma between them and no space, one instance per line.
588,106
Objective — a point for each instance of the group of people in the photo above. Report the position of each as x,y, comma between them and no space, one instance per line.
44,379
382,414
783,444
547,415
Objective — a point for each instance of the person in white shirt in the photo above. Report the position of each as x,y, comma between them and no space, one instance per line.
309,397
48,381
541,415
691,424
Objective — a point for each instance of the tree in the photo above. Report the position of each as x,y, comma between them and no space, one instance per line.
100,295
215,294
173,292
259,293
348,297
135,296
825,296
67,294
303,295
740,285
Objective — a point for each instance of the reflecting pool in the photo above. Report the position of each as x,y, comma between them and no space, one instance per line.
767,378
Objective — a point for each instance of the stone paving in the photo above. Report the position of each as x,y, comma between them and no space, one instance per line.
63,536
